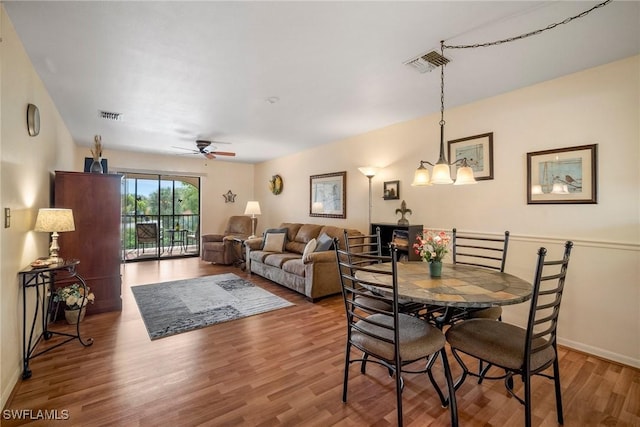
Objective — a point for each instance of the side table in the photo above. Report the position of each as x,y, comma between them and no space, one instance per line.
242,261
43,281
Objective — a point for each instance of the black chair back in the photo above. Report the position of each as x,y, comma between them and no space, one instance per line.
488,252
548,287
349,264
370,244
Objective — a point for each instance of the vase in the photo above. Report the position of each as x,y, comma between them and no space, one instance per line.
96,166
435,268
74,316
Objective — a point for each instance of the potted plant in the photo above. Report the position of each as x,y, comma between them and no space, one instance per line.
75,301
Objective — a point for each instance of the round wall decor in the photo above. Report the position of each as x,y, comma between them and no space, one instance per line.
33,120
275,184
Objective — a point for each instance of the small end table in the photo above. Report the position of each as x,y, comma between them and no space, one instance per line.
242,261
43,280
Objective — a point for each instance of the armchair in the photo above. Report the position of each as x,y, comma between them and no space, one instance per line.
221,248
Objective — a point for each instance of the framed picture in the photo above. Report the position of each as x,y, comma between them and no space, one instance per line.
563,175
328,195
478,150
391,190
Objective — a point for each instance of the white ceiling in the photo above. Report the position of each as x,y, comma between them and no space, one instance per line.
181,71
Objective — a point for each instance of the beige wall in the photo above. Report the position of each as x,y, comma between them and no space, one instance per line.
27,165
601,309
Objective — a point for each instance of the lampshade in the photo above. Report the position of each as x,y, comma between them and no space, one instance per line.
465,176
253,208
55,220
421,177
441,174
368,171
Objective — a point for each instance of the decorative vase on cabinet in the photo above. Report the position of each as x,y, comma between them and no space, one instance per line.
96,166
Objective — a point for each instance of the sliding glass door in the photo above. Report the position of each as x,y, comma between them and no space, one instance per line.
160,216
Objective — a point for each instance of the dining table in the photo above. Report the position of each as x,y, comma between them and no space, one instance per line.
459,288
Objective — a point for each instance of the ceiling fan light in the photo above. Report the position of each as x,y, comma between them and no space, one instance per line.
465,176
441,174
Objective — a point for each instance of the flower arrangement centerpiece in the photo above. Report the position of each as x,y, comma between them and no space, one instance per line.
75,300
432,247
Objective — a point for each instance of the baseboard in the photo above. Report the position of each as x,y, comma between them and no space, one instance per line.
9,390
598,352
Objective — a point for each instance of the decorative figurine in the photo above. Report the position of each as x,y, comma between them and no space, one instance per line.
229,197
403,210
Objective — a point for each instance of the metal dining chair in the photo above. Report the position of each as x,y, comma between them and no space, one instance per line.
486,252
372,245
519,351
385,336
366,245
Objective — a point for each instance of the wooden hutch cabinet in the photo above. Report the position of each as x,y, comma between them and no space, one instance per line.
95,200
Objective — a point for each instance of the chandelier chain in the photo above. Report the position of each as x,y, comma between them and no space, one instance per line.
442,85
529,34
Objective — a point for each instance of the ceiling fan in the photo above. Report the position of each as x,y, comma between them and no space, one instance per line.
203,146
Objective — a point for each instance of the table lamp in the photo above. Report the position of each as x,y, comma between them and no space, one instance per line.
53,220
253,209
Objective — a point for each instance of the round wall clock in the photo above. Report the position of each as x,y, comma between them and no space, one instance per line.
33,120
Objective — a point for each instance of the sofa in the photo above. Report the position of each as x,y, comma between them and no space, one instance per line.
305,261
223,248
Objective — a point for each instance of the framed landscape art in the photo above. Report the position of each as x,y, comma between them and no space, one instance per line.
478,150
328,195
563,175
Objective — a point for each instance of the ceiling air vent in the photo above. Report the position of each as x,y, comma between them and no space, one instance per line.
427,62
108,115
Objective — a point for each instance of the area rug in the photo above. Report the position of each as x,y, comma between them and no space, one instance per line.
171,308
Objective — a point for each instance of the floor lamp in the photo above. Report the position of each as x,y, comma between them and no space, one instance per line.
369,172
253,209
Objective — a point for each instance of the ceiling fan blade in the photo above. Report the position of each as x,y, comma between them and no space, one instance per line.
209,156
187,149
223,153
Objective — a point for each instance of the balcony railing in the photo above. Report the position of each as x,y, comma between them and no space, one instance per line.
188,222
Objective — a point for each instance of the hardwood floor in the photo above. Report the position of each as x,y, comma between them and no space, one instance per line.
279,368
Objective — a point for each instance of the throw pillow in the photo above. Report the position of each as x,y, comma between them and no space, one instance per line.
273,230
324,243
274,242
311,246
